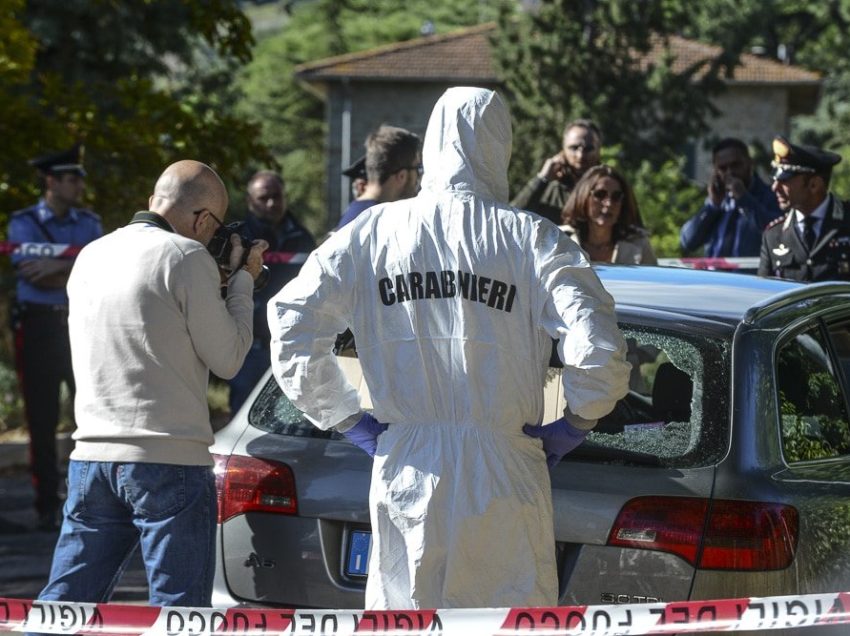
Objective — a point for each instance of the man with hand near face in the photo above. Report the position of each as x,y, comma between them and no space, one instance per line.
547,192
738,207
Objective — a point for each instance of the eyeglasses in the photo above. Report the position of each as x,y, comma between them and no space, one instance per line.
614,197
217,220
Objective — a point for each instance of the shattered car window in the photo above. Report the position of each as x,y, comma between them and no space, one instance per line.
274,413
676,412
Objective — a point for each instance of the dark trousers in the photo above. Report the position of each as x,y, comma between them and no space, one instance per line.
44,363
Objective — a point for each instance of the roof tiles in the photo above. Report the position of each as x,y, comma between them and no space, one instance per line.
465,55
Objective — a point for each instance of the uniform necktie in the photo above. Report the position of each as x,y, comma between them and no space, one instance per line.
809,232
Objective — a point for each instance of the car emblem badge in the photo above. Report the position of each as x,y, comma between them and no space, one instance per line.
781,250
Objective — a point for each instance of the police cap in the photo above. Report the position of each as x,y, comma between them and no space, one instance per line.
70,160
790,159
356,170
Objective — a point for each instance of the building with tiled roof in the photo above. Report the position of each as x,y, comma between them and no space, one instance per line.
399,84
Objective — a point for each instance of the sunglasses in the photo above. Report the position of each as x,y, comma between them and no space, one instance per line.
614,197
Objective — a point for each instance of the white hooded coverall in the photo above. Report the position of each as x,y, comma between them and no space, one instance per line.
453,298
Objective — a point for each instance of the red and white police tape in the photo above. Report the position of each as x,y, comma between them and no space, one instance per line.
60,250
63,250
745,614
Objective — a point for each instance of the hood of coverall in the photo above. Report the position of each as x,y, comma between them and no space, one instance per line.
467,145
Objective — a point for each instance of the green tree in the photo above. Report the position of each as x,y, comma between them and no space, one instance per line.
810,34
611,61
100,75
17,58
292,117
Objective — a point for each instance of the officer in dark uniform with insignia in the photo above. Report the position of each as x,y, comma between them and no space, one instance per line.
43,353
811,242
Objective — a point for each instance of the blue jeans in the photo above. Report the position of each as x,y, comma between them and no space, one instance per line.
169,510
255,365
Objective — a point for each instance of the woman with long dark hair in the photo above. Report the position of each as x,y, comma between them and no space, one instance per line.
602,216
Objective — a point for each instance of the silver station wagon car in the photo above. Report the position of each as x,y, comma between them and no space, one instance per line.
724,473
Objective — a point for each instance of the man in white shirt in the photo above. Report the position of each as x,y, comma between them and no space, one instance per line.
148,323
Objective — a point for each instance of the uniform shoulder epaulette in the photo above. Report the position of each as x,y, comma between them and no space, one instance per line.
777,221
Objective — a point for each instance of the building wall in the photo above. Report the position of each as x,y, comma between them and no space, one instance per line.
755,114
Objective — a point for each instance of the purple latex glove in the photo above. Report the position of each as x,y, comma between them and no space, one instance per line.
365,433
559,438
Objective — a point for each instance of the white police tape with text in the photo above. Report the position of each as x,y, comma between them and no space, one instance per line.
60,250
686,617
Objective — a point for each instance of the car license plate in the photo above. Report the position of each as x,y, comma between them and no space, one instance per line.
359,545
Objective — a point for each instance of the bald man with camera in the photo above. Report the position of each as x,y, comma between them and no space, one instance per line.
147,324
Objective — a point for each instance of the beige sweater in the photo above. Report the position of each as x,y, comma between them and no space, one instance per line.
147,324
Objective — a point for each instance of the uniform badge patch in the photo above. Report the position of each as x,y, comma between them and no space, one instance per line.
781,250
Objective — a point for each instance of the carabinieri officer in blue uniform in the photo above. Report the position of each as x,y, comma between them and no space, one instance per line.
41,340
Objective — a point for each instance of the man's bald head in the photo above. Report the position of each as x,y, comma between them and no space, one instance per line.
186,194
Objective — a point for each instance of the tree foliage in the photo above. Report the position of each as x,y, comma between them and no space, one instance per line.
815,35
292,117
592,59
99,73
611,61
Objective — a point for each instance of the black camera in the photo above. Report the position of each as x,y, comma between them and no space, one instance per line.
220,247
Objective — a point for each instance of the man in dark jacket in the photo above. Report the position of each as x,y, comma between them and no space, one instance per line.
738,207
547,192
269,219
811,242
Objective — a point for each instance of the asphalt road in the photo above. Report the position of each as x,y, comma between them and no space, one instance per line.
25,553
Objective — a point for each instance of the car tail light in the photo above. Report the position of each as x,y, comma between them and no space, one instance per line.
250,484
710,535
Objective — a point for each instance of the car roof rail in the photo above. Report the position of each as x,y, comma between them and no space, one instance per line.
784,299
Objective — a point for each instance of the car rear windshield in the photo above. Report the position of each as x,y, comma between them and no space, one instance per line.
676,411
272,412
675,414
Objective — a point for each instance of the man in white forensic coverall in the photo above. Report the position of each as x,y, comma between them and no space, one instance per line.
453,298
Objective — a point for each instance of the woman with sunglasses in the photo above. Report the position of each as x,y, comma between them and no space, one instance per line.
602,216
